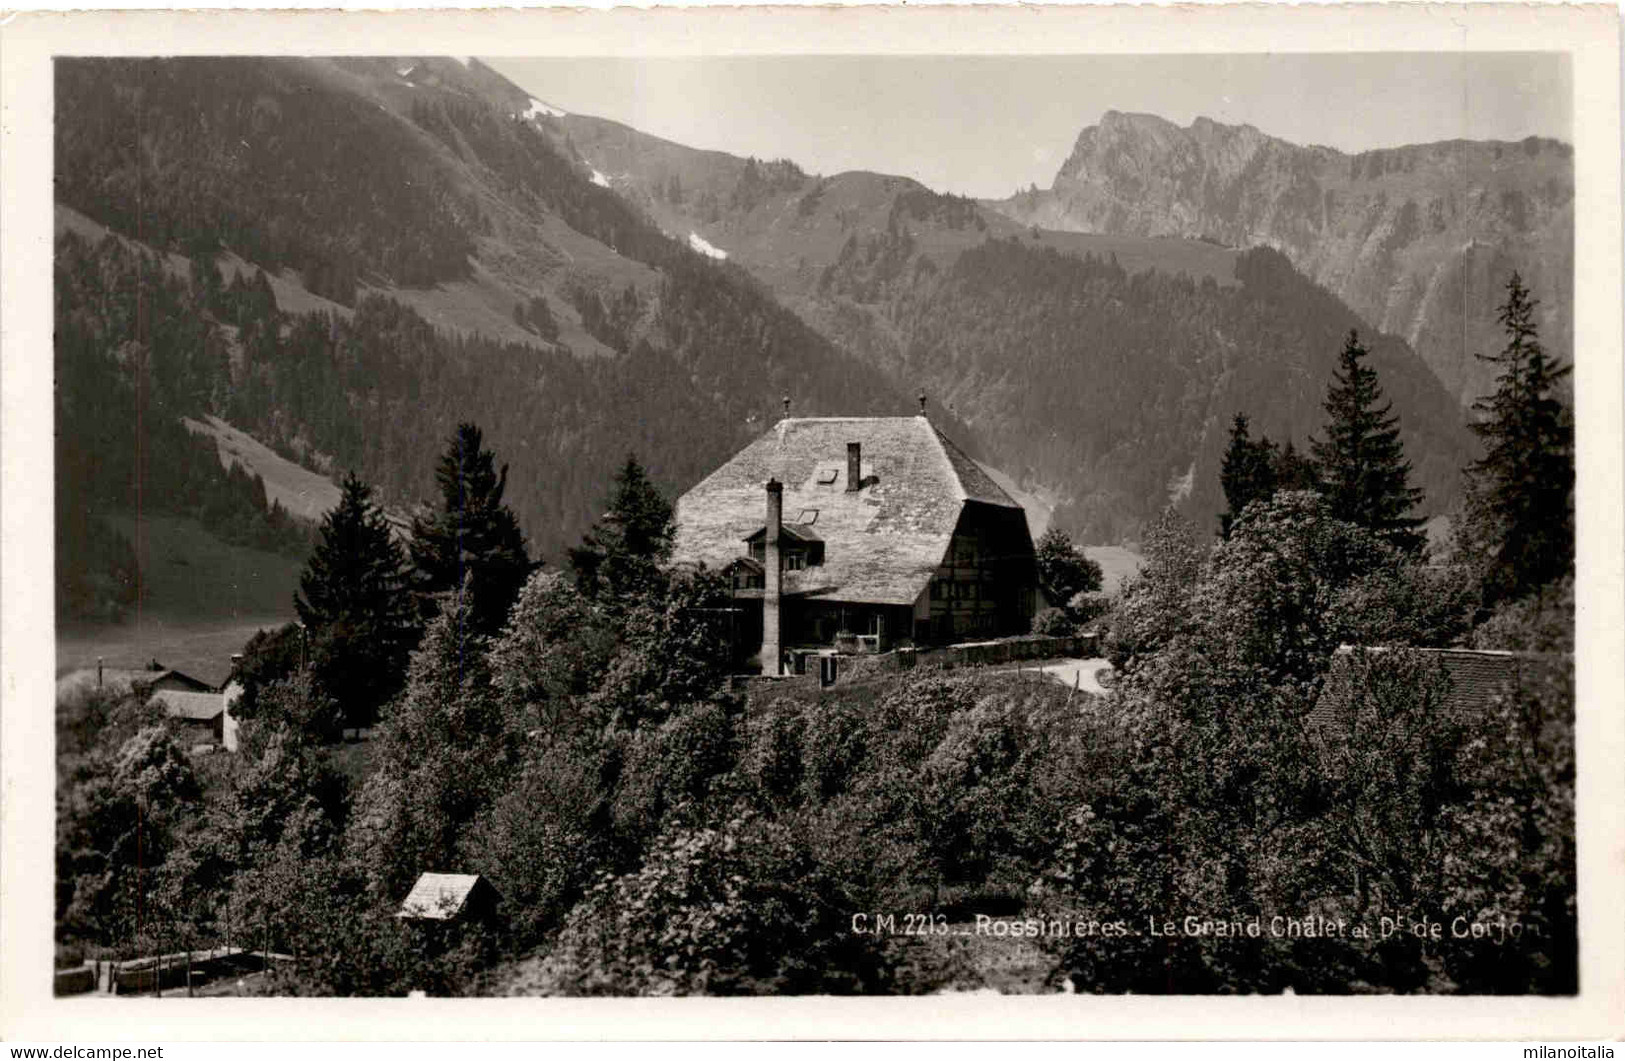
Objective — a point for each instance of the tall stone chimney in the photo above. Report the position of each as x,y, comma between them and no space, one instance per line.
772,580
854,466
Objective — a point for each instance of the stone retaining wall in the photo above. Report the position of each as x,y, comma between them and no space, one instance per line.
981,654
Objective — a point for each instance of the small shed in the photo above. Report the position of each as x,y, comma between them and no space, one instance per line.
450,897
198,715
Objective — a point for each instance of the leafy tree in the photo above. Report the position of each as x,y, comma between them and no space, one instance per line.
116,825
737,908
620,558
674,650
554,650
298,703
1157,602
1362,462
1522,490
353,600
1541,622
473,540
269,656
1063,569
544,839
441,756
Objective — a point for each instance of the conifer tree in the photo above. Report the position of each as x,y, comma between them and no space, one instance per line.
354,604
1294,471
473,539
623,554
1364,474
1521,492
1247,473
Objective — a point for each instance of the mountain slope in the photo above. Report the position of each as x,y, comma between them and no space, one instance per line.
1101,370
471,270
617,291
1418,240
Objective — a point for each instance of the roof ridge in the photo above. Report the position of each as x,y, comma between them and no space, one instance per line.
943,446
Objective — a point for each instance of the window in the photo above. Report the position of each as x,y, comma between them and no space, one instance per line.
808,517
794,561
827,476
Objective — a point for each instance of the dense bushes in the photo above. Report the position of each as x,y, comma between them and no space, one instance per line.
1217,799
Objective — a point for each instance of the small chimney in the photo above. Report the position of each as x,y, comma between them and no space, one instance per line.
772,578
98,672
786,405
922,403
854,467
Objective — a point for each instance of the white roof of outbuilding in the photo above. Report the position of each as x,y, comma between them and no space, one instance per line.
439,896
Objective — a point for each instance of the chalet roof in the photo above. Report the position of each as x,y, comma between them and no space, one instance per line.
124,679
440,896
180,703
883,541
153,677
1475,676
799,531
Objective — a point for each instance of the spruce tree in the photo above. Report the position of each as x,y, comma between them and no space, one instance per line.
354,603
1521,492
473,540
622,556
1247,474
1363,470
1294,471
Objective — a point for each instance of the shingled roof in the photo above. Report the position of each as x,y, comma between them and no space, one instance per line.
883,542
199,707
1475,676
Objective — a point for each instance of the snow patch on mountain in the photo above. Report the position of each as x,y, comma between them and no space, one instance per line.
537,108
698,243
464,59
599,179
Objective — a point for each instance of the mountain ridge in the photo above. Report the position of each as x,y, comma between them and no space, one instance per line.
1418,239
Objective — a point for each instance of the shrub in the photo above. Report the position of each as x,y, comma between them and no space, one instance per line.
733,910
1053,622
1086,608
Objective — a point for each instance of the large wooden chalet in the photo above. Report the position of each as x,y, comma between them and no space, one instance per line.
860,533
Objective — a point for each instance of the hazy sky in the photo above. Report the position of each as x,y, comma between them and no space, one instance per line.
987,125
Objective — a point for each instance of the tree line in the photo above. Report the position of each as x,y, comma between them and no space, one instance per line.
568,735
1515,528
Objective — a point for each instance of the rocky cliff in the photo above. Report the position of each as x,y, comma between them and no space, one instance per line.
1419,240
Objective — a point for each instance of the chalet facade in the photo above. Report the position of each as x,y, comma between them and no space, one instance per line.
859,534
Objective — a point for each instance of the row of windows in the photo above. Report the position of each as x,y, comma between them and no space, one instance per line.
794,559
944,589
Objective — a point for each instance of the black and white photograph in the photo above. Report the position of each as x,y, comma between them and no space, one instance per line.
914,522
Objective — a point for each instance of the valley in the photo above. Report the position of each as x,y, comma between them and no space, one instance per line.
692,555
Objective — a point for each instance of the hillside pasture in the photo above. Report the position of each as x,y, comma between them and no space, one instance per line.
198,600
300,491
1117,565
